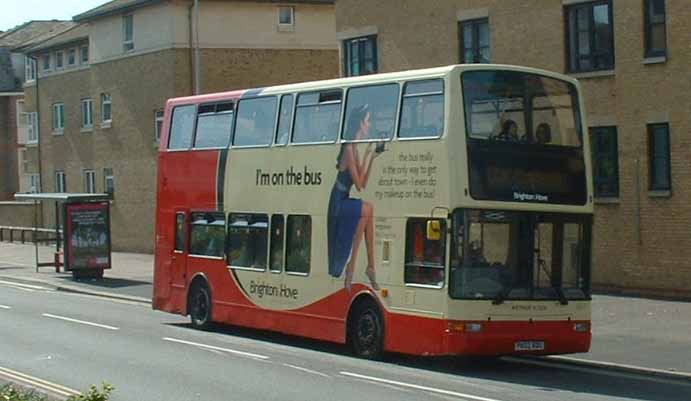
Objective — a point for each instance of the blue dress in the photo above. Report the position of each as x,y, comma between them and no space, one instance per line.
342,221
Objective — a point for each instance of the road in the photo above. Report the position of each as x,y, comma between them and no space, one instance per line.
77,340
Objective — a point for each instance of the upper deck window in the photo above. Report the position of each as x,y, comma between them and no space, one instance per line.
422,111
214,125
381,102
317,117
255,123
182,127
513,106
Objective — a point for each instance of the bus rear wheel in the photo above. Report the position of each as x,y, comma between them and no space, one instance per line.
366,331
200,306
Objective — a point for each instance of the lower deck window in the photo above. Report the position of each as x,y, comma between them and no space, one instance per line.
298,244
248,240
207,234
424,259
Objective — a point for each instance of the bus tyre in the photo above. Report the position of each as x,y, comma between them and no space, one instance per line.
366,331
200,306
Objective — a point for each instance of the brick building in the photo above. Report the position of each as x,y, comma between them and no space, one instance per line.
632,58
102,85
14,133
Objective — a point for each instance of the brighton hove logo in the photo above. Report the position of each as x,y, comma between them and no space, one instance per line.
522,196
261,289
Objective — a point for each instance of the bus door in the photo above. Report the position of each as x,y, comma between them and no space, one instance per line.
178,257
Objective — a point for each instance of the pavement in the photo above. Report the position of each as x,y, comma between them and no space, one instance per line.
630,334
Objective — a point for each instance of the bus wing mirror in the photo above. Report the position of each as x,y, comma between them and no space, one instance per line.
433,230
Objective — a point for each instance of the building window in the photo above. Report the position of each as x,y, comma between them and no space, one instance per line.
158,124
84,54
590,37
106,108
87,113
58,117
90,181
286,16
298,244
660,177
207,234
34,183
248,240
32,125
72,57
128,33
655,26
29,69
60,181
605,161
360,56
59,59
108,181
475,41
46,62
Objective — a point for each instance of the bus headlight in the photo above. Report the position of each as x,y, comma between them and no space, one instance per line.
581,327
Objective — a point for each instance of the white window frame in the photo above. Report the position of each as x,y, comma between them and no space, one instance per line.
29,69
90,181
127,44
81,54
282,26
59,59
106,99
108,177
60,181
32,127
158,117
58,118
87,114
34,183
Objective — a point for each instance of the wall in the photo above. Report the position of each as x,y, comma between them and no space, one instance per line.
17,214
656,258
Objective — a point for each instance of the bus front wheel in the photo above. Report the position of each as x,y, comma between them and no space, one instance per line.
200,306
366,331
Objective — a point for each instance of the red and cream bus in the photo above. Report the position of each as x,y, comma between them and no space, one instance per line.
433,212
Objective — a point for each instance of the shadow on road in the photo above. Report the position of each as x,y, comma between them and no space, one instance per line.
107,282
549,378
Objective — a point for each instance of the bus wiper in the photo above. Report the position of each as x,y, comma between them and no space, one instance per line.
562,297
501,296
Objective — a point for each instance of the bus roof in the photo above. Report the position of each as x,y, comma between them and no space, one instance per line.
359,80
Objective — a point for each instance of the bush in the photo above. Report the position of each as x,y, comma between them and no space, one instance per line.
94,394
9,393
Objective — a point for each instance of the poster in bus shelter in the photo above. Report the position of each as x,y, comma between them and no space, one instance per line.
87,236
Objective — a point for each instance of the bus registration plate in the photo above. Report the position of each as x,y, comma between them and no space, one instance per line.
529,346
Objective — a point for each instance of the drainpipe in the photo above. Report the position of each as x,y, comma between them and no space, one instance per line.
38,126
197,61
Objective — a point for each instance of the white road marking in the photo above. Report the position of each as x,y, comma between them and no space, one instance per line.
68,319
211,347
27,286
418,387
36,382
4,307
314,372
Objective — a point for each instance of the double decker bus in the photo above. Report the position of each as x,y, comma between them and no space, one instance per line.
442,211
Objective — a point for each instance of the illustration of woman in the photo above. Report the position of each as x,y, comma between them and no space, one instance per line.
350,218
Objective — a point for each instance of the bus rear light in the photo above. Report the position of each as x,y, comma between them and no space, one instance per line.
581,327
464,327
473,327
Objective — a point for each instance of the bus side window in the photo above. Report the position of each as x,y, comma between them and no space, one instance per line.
207,234
298,244
424,257
179,232
182,127
214,125
285,117
276,244
255,122
422,109
248,240
317,116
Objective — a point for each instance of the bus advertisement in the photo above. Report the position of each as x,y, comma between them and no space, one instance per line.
444,211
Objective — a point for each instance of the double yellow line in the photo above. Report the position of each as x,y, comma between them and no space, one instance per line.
30,381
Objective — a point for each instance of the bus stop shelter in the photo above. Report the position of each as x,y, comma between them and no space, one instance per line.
82,232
